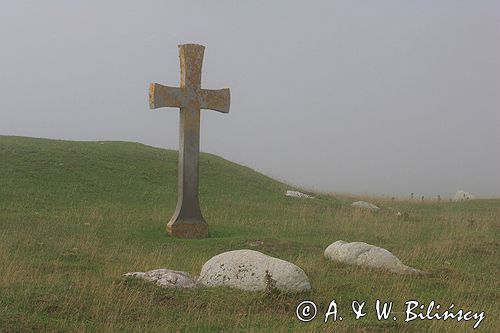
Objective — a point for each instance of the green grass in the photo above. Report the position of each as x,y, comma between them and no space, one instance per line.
76,216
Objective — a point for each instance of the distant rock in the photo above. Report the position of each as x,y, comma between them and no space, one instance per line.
364,204
362,254
463,196
297,194
254,271
255,243
167,278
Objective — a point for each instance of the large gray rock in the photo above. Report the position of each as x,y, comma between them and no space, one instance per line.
463,196
297,194
364,204
362,254
252,270
167,278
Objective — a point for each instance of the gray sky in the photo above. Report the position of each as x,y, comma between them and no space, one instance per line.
382,97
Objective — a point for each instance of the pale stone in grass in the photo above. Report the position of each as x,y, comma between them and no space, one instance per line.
362,254
167,278
253,271
297,194
364,204
463,196
255,243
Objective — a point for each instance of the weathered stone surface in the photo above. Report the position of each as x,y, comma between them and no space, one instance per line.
297,194
167,278
187,221
362,254
364,204
253,270
463,196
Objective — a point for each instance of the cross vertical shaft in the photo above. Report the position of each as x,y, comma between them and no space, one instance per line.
188,209
188,221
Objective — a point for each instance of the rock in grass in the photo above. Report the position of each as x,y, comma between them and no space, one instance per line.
297,194
463,196
167,278
364,204
362,254
254,271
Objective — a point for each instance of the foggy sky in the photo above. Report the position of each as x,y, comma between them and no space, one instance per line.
380,97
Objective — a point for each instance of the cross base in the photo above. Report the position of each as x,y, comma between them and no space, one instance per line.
188,228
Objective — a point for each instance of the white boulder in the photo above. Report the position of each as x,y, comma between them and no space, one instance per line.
364,204
297,194
167,278
463,196
362,254
252,270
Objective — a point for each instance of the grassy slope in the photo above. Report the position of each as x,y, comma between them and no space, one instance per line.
75,216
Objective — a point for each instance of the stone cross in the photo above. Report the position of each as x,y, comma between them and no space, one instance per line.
187,221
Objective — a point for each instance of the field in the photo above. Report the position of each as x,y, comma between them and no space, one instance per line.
76,216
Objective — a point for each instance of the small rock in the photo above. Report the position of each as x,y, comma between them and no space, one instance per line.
403,215
167,278
463,196
255,243
254,271
362,254
364,204
297,194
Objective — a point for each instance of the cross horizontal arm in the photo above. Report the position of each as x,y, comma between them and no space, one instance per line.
165,96
217,100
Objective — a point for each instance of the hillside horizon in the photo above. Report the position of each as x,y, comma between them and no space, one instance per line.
289,184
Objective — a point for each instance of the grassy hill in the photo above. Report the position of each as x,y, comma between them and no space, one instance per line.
75,216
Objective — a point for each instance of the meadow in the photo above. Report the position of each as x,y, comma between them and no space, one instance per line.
76,216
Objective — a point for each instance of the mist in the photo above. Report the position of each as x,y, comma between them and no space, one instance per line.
385,97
